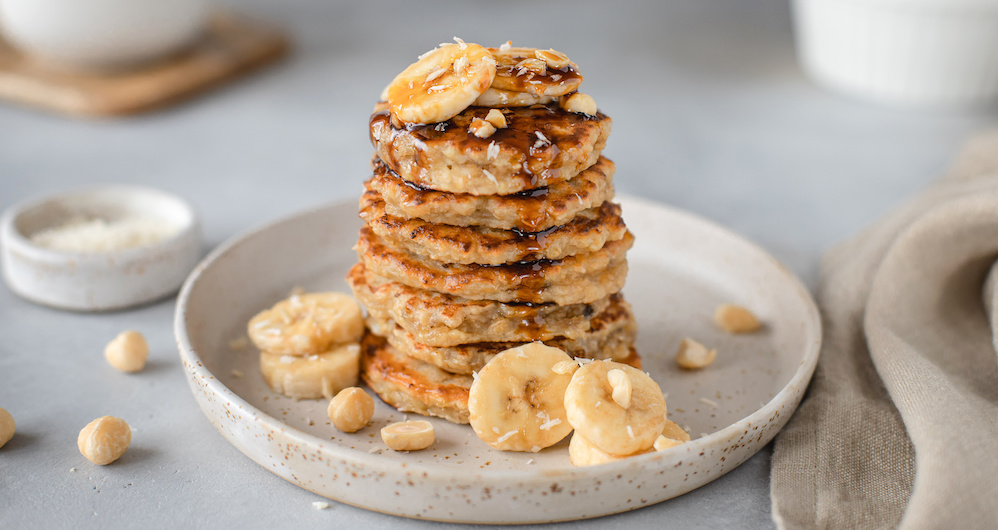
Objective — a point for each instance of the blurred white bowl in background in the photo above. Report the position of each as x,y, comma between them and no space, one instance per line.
907,52
101,34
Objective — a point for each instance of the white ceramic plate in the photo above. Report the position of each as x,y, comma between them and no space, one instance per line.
681,268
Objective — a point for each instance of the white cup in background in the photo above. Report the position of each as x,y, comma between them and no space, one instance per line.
101,34
925,53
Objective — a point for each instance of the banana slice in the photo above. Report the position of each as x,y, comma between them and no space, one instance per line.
582,452
594,414
517,402
408,435
536,72
674,431
313,376
307,324
494,97
441,83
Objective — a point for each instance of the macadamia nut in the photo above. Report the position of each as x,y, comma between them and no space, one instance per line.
7,427
128,352
351,409
104,440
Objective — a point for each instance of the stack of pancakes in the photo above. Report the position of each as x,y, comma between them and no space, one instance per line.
476,245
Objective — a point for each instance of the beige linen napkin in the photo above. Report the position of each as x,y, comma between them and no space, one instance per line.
900,425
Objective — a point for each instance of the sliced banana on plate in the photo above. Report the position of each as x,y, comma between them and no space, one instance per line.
307,324
312,376
517,402
441,84
408,435
582,452
595,414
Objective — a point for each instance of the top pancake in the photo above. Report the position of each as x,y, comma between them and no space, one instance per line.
530,211
541,145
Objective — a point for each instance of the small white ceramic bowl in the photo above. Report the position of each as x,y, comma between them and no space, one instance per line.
101,34
98,281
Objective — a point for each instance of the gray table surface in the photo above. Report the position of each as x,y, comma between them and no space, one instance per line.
711,114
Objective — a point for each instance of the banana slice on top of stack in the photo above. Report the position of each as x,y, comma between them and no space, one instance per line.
309,344
489,225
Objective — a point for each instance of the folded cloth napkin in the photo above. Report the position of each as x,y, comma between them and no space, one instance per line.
900,425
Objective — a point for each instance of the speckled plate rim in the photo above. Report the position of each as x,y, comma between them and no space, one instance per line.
772,416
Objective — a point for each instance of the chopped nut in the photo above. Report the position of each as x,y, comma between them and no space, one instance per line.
461,64
7,427
128,351
481,128
351,409
534,66
735,319
496,118
104,440
565,367
662,443
579,103
621,385
553,58
692,355
408,435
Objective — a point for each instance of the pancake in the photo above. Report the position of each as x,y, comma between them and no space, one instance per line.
531,211
438,319
587,232
578,279
610,336
411,385
541,145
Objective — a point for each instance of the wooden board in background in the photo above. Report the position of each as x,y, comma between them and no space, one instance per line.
231,47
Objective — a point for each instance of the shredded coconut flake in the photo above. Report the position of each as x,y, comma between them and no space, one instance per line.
535,449
630,432
541,137
425,55
374,450
504,47
460,42
94,236
531,461
496,182
493,151
237,373
319,505
551,423
506,436
710,402
474,375
495,429
435,74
